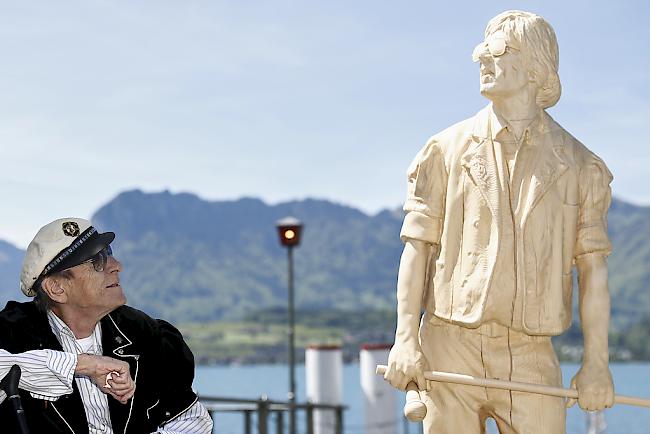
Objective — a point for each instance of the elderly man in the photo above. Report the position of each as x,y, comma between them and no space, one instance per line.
79,309
499,209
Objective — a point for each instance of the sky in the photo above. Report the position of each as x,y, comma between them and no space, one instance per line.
280,100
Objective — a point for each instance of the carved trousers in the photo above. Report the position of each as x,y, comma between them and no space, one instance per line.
490,351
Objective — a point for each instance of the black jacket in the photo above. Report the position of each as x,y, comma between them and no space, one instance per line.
161,364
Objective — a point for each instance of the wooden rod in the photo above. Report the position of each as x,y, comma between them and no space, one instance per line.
468,380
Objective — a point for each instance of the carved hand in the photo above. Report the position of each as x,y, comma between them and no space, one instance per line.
595,388
406,363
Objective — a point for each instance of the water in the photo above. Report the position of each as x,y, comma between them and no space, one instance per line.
272,380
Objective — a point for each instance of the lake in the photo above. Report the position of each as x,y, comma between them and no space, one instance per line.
272,380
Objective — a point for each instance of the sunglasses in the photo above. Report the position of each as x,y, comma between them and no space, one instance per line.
100,259
495,44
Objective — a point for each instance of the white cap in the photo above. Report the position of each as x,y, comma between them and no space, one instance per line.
60,245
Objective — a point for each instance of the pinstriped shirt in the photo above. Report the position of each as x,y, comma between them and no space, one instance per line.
94,400
46,374
194,420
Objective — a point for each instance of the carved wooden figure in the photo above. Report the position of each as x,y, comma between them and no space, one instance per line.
500,209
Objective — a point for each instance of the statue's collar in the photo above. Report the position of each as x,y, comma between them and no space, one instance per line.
489,124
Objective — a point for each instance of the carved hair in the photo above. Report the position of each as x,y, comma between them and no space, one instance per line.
538,42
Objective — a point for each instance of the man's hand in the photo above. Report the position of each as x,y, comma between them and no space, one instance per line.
112,376
595,388
406,363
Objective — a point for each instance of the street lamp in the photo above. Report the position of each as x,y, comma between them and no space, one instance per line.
289,230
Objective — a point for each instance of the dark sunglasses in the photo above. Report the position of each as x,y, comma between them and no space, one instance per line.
100,259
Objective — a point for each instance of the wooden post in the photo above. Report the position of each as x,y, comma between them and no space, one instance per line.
279,421
339,420
310,418
247,422
262,415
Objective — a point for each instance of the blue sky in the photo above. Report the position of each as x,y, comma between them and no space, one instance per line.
280,100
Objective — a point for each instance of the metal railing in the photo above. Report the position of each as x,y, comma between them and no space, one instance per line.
264,407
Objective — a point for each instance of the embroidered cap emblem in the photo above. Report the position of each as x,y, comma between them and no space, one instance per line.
71,229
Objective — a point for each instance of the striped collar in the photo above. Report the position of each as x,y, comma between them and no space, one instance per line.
68,340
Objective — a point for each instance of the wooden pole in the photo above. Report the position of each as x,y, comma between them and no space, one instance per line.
468,380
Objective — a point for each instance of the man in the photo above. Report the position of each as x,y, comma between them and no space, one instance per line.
499,209
79,308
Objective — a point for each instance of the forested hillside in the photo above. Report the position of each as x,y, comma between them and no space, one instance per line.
194,261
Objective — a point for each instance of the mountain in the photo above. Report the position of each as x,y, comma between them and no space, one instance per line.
629,264
11,260
188,259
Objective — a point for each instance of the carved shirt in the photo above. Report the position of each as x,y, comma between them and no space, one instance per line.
508,241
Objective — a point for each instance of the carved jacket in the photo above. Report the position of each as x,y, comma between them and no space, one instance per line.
161,365
457,198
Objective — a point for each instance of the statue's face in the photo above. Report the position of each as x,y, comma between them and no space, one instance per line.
503,71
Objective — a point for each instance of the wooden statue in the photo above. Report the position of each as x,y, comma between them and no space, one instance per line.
499,210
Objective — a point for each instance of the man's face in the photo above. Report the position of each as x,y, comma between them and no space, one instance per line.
95,293
503,72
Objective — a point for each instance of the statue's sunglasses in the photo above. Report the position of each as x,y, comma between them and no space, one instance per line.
495,44
100,259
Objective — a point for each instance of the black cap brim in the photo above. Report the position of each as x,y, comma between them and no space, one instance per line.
85,251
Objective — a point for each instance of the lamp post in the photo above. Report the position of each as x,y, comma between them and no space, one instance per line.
289,230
